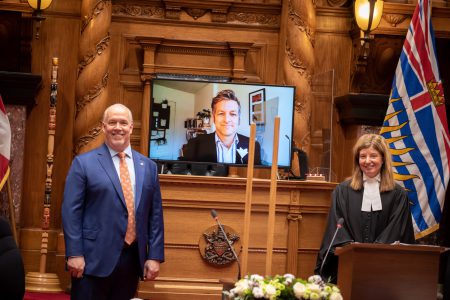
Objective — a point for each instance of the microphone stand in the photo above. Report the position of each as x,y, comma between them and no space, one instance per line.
216,218
338,226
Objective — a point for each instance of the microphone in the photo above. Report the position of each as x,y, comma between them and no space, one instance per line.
338,226
216,218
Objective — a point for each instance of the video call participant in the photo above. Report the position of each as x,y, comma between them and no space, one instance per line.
224,145
375,209
112,215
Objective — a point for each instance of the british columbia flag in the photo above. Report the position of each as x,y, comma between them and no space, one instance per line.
415,125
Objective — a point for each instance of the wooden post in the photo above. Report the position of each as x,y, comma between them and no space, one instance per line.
248,200
273,196
42,281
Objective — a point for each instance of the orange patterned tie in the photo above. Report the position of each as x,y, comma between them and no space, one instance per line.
125,181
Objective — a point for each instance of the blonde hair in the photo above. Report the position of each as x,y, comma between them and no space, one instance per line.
378,143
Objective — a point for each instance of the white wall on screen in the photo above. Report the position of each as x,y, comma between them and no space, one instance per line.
182,109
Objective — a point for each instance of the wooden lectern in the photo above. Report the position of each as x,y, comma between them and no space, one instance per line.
381,271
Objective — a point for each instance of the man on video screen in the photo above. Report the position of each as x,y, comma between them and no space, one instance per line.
224,145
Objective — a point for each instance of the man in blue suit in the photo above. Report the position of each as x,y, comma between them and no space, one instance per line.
113,225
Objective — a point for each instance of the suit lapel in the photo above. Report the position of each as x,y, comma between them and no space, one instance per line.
105,160
139,170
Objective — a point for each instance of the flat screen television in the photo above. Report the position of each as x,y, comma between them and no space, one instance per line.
181,111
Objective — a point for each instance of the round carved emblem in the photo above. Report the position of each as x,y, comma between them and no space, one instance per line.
215,249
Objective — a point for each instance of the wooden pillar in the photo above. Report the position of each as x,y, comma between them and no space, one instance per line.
297,48
239,52
145,114
292,243
92,77
150,46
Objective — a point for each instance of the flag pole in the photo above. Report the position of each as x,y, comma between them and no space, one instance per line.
12,215
42,281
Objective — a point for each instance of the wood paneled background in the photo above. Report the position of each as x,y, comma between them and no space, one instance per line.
272,42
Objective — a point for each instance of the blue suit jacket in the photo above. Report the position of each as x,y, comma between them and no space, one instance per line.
94,213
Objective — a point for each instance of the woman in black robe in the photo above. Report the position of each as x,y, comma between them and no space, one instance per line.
374,208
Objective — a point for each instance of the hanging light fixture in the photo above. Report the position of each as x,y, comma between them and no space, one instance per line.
39,6
368,14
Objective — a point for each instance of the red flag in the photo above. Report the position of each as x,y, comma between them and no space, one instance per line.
5,144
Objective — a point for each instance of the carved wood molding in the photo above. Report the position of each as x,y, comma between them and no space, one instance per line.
86,139
398,16
131,10
96,10
92,93
158,51
297,63
90,57
301,23
226,12
394,19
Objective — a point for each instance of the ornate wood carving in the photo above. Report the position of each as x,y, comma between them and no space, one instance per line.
394,19
148,11
195,13
91,91
95,11
256,14
90,57
253,18
214,247
297,16
185,53
86,139
299,65
92,94
296,62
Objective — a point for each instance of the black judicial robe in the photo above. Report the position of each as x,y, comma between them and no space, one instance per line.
392,223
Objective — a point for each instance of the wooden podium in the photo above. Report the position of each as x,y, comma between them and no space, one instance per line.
380,271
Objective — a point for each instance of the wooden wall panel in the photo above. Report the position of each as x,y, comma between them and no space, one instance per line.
36,134
187,202
333,51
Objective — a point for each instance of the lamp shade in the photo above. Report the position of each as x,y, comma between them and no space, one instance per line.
43,5
363,11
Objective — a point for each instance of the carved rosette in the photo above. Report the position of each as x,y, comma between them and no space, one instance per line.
394,19
92,80
298,64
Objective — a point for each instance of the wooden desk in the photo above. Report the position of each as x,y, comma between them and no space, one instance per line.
301,211
380,271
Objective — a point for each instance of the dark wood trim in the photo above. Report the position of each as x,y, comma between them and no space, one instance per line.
362,109
19,88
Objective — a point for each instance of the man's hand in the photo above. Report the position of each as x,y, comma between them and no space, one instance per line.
151,269
76,265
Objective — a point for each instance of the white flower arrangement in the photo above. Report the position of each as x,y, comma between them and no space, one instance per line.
285,287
